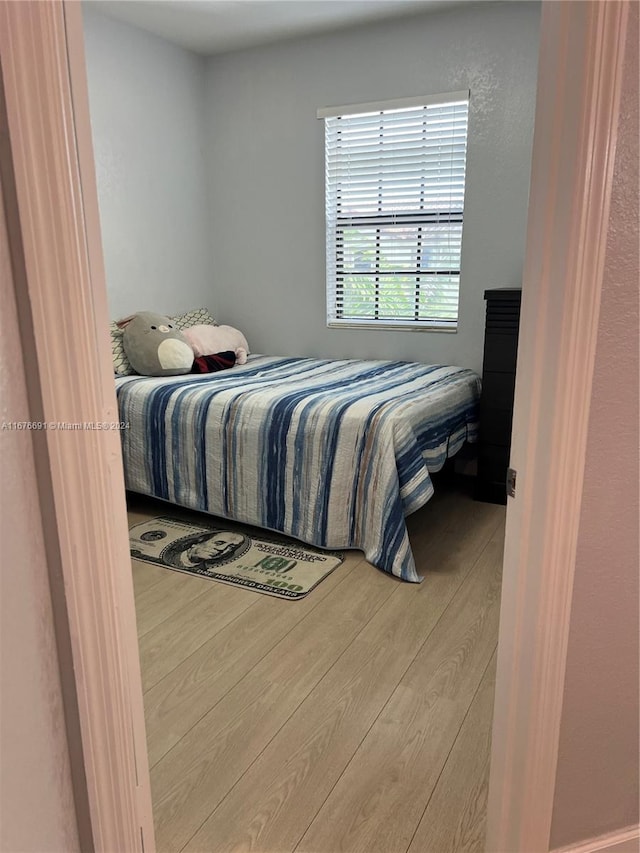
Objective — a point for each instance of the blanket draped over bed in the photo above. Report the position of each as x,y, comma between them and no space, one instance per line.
334,453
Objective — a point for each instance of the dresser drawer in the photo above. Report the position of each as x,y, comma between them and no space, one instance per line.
495,424
498,389
493,461
500,352
502,319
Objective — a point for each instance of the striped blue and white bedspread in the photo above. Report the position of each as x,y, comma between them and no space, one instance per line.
334,453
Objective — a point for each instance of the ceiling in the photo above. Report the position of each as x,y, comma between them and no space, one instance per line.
218,26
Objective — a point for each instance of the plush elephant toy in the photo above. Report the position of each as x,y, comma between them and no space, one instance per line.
154,346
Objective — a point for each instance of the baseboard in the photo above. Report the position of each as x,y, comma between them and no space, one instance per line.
621,841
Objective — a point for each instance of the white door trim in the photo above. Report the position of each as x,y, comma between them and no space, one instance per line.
579,81
65,310
61,293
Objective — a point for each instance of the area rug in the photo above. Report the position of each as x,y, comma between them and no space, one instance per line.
283,569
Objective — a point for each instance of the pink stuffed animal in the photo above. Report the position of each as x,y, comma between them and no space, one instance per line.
209,340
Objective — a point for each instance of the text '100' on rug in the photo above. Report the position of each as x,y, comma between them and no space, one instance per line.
285,570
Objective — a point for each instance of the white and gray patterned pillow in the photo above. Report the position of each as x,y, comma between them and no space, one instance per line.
197,317
121,365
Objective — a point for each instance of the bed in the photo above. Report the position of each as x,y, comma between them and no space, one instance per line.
333,453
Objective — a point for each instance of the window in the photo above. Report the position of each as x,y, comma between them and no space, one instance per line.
395,179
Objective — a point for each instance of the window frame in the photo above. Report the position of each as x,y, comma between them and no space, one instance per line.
334,227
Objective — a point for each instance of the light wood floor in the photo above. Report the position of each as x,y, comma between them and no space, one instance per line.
356,719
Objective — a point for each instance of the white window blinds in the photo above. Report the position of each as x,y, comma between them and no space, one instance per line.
395,180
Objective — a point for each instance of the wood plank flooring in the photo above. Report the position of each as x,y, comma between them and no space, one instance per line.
356,719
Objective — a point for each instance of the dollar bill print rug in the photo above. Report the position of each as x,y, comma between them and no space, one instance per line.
284,569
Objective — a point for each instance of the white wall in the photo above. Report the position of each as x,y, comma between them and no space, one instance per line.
146,99
265,164
597,786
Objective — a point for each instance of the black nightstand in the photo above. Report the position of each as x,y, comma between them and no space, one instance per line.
498,385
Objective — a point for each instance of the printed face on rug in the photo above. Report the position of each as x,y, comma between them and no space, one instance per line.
203,550
153,535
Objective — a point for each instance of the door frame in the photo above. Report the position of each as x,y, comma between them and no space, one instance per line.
51,201
579,85
63,311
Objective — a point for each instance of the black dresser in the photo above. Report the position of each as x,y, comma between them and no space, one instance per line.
498,384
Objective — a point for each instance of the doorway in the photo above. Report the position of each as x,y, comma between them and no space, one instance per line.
128,679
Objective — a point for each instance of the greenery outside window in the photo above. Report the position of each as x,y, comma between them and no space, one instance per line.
395,182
